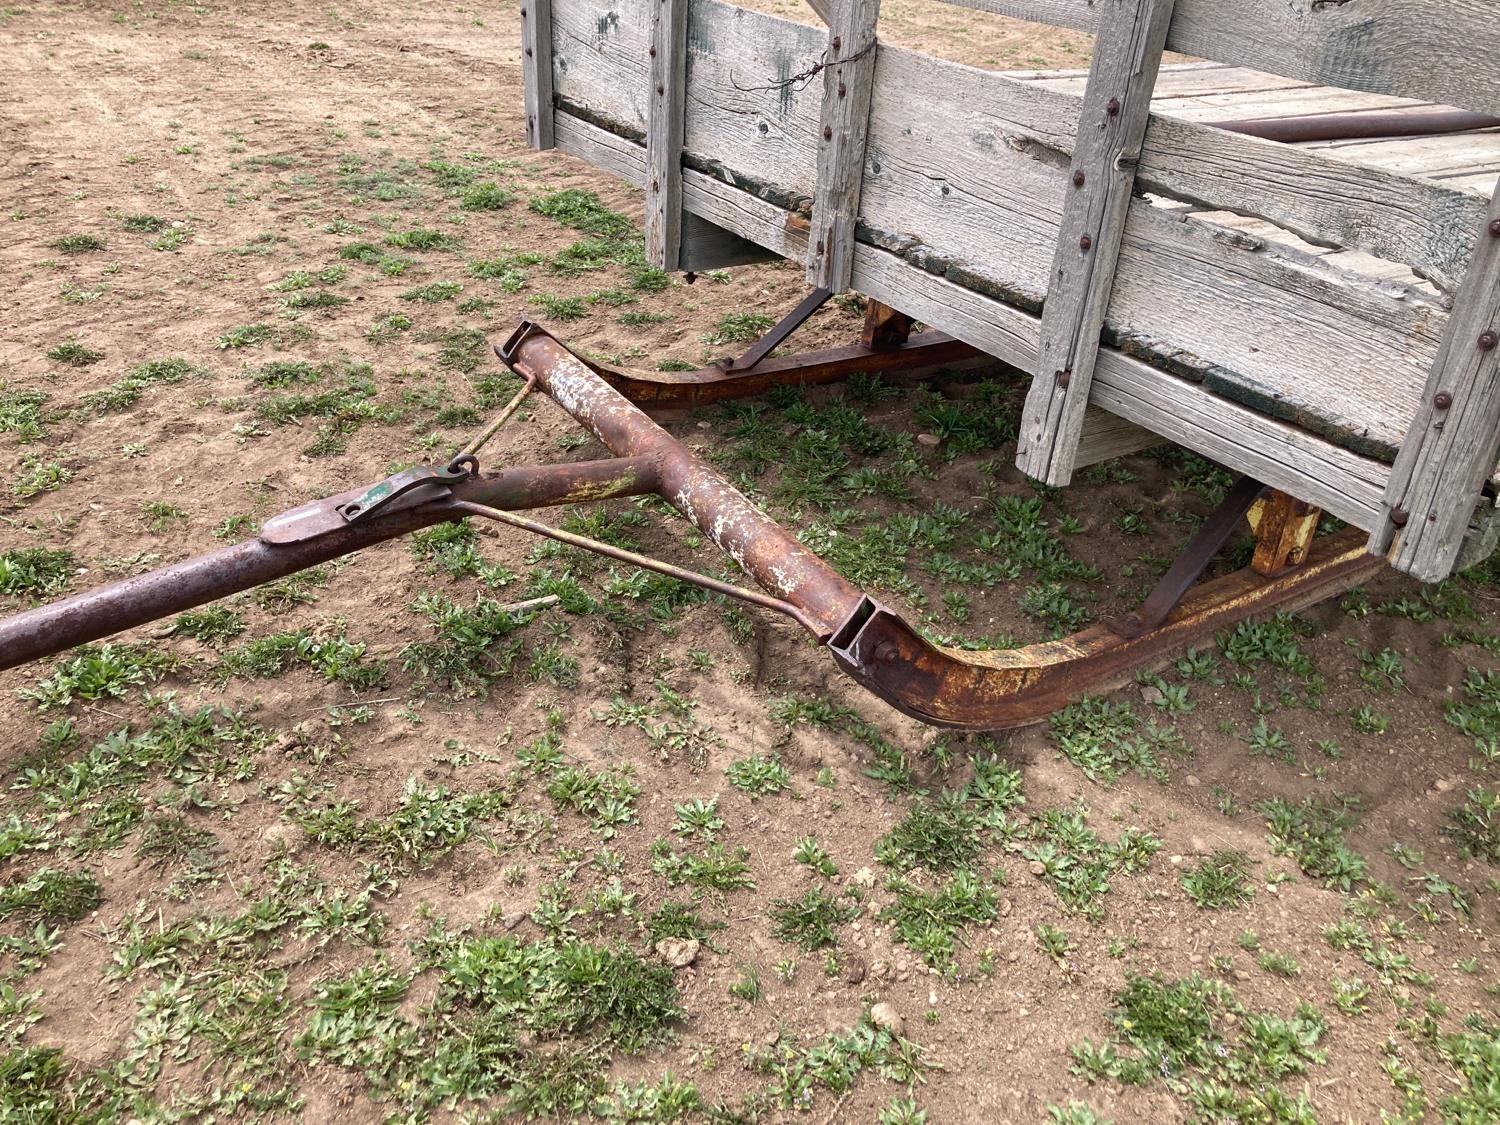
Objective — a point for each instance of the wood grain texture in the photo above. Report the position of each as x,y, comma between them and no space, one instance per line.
848,81
1112,125
970,178
666,98
1454,439
536,71
1283,456
1439,50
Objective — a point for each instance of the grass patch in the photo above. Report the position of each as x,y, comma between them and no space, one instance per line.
79,244
74,354
1313,834
1220,881
809,921
51,896
36,571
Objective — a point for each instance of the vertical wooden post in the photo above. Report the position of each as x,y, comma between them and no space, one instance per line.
1451,447
1284,528
884,327
848,82
1111,126
536,71
665,117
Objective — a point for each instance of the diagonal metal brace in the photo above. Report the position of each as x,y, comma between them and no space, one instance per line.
1195,557
779,331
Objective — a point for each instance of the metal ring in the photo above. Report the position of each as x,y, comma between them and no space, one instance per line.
466,463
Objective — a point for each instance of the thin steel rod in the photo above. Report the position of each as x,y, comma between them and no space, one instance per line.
645,562
780,331
500,419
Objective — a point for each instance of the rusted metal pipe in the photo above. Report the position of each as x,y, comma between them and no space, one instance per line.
927,351
295,540
1359,126
763,548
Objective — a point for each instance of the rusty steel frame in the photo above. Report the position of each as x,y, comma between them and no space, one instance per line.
936,684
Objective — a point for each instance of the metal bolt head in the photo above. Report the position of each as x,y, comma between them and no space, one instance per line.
842,90
1442,400
1063,378
828,132
1113,108
1487,340
651,51
1494,229
1085,242
886,651
1078,179
523,13
1399,517
836,44
661,91
528,52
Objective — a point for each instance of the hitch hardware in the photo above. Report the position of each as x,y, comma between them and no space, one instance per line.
936,684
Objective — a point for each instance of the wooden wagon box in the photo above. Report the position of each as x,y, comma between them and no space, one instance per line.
1321,318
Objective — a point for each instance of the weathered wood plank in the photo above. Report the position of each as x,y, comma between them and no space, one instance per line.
1112,125
1283,456
1106,436
1454,439
848,80
666,100
536,71
975,170
1441,50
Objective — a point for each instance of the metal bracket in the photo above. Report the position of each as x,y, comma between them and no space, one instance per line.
379,496
778,333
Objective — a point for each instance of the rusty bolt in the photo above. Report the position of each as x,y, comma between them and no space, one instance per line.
828,132
1487,340
1085,242
1398,517
886,651
1495,229
1063,378
1442,400
1078,178
1113,108
836,44
652,52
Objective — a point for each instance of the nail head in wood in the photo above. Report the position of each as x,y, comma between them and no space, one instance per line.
1113,108
1487,340
1085,242
836,44
1398,517
1494,229
1442,400
828,132
1064,378
528,52
1078,179
652,52
660,90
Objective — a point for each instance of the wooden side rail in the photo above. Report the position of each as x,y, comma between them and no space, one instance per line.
1436,50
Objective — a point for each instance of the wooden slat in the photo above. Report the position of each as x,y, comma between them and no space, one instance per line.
1455,438
848,79
1283,456
1438,50
975,171
1112,124
536,71
1106,436
665,102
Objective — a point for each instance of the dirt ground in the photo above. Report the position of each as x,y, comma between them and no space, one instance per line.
191,917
